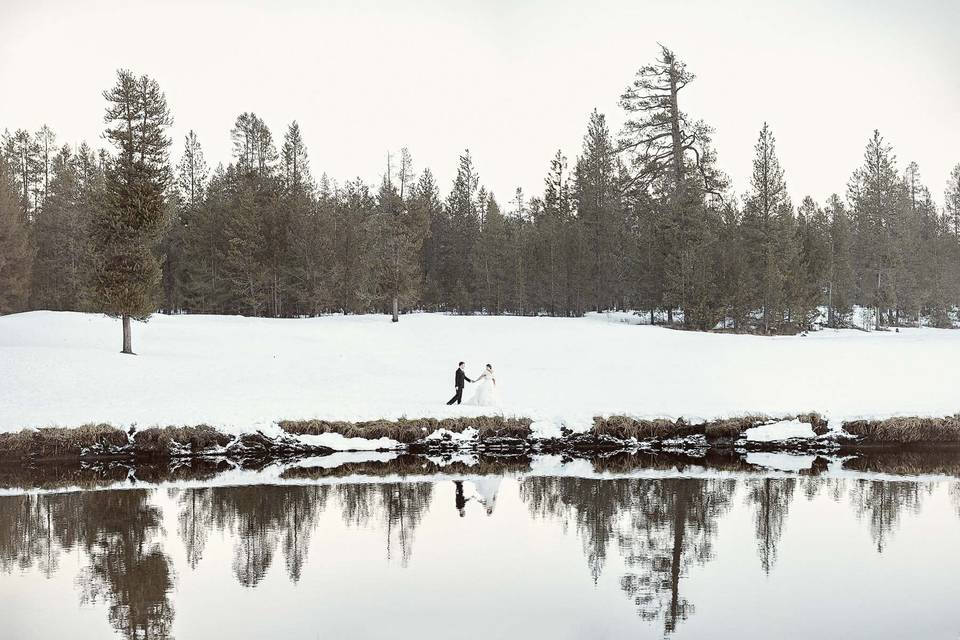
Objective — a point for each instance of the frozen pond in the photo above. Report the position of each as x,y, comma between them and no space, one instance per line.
511,555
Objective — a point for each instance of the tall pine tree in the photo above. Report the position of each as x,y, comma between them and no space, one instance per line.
132,216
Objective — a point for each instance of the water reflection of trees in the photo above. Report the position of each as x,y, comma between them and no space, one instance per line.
594,506
27,534
397,508
834,488
661,528
261,518
266,519
194,521
118,531
770,499
882,503
673,527
127,566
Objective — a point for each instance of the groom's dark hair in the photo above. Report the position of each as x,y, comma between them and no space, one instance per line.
461,364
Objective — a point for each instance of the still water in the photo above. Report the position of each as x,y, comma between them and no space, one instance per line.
504,555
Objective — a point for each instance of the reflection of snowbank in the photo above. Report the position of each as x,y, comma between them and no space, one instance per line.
780,461
484,488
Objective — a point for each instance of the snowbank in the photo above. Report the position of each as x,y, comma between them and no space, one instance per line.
240,374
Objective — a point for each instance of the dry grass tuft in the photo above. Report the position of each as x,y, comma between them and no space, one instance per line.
906,430
59,442
817,422
157,441
625,427
408,431
732,427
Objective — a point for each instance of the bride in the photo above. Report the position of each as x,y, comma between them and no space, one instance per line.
486,394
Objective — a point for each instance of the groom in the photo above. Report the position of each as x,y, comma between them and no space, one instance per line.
458,378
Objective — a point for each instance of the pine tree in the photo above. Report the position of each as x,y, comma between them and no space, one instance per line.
296,165
457,267
191,181
253,145
841,280
207,286
952,200
312,233
353,273
305,224
45,142
492,258
734,274
62,269
596,204
192,173
132,215
246,264
400,230
912,234
551,222
808,269
670,154
23,156
426,201
15,251
875,193
768,226
519,225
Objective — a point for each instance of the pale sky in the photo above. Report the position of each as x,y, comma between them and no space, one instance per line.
513,81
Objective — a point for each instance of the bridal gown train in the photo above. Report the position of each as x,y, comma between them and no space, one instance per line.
486,393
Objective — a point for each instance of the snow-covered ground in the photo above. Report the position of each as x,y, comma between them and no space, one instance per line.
244,373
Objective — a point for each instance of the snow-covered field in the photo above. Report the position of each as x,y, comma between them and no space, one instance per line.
244,373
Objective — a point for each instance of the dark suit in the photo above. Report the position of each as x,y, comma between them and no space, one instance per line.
458,380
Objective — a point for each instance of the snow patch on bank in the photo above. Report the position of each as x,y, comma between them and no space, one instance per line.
462,437
339,442
782,430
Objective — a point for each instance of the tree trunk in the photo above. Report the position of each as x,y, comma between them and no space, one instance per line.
831,322
127,337
396,309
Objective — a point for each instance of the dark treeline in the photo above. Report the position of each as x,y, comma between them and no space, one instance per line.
643,219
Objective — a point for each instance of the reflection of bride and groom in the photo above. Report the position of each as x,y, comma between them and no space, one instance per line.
484,491
486,394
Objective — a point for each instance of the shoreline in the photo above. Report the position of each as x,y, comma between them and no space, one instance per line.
807,433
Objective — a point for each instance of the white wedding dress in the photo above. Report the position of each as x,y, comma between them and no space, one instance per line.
486,394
